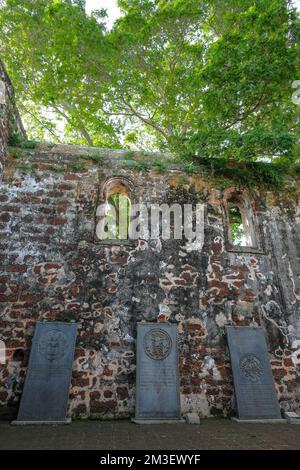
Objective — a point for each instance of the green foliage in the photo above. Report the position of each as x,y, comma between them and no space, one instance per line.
93,157
129,154
141,166
57,168
209,81
76,166
246,174
28,144
16,140
182,180
16,153
159,165
189,167
26,168
237,230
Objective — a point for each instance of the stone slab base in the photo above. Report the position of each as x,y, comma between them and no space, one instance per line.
26,423
261,421
157,421
292,417
192,418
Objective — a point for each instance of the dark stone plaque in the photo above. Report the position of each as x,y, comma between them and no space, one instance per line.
46,389
252,375
157,383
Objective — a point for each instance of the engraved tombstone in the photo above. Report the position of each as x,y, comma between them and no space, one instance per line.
252,375
46,389
157,382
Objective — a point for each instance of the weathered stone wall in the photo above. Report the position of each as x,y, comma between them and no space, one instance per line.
53,269
10,121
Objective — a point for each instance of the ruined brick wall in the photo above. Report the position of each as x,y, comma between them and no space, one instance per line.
53,269
10,122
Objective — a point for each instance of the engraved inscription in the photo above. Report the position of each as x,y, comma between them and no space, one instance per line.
162,377
251,367
43,372
53,345
157,344
252,375
261,400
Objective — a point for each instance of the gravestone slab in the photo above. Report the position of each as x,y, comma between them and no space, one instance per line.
46,389
157,382
252,375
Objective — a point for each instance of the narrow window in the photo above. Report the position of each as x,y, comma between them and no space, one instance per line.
113,214
116,224
240,223
236,226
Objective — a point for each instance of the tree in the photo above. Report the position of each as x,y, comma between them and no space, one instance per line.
200,78
53,51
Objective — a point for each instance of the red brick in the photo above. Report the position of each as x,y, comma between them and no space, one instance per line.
56,221
103,406
288,362
65,187
80,409
52,266
9,208
122,393
107,371
5,217
71,177
8,298
16,268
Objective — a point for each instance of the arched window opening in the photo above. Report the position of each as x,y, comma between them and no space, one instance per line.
238,227
116,223
113,214
240,221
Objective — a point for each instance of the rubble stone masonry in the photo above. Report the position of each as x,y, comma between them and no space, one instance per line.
52,267
10,122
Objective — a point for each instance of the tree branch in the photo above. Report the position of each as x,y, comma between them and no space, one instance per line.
84,133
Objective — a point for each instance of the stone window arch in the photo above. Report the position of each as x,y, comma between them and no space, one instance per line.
113,211
241,227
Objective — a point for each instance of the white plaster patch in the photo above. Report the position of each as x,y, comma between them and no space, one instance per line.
209,364
98,327
31,185
2,92
162,265
268,291
291,275
129,338
196,403
180,319
221,320
164,310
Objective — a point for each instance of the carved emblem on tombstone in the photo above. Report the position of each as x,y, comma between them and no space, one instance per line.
253,380
157,344
52,345
251,367
47,385
157,376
